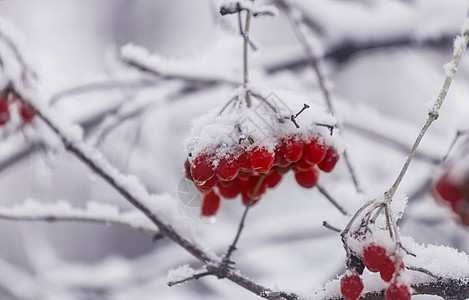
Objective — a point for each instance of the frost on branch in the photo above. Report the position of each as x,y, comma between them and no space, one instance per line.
213,66
62,211
180,273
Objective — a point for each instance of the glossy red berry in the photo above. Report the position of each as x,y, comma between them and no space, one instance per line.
230,189
26,113
398,292
201,169
227,169
374,257
448,189
291,149
244,161
388,268
273,178
307,179
243,176
329,161
314,152
351,286
261,160
211,204
4,111
302,165
249,189
207,185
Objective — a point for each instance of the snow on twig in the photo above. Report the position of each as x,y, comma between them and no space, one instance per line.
62,211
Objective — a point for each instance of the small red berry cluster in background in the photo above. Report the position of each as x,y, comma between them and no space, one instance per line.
250,171
6,102
376,259
454,192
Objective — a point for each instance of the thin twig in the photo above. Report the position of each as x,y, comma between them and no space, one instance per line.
25,70
459,133
226,259
331,199
329,226
193,277
296,25
52,218
435,110
425,271
102,86
140,65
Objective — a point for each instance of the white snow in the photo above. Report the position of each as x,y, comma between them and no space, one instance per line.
180,273
220,132
94,212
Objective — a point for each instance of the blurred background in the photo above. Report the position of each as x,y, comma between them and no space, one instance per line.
384,61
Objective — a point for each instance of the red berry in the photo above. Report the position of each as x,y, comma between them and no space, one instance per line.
388,268
211,204
398,292
302,165
207,185
351,286
329,161
291,149
227,169
4,111
261,160
243,176
374,257
201,169
249,188
307,179
26,113
244,161
230,189
282,170
448,189
314,152
273,178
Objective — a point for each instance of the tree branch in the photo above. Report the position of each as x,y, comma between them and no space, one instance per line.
63,212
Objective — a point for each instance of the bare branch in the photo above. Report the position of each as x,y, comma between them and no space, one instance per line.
102,86
328,196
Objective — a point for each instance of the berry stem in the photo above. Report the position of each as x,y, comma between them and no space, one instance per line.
433,114
232,247
245,34
328,196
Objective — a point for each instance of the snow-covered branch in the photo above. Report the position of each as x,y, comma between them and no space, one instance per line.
174,70
62,211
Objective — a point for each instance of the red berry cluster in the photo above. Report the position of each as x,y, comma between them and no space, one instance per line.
454,192
250,171
376,259
26,113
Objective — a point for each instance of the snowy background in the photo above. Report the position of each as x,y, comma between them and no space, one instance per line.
382,94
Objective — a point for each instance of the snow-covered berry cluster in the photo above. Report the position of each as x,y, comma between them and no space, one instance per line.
452,189
377,259
8,103
247,150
